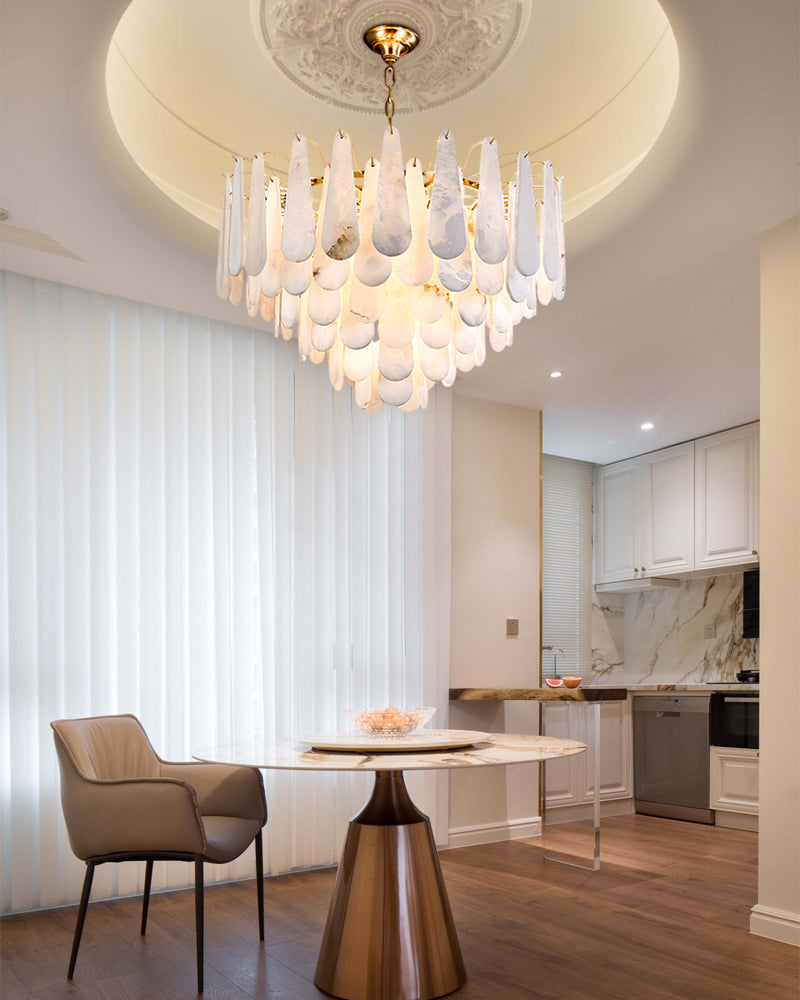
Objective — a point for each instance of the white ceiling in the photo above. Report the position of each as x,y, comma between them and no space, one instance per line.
661,319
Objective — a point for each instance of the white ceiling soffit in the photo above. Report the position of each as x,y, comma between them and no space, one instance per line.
586,84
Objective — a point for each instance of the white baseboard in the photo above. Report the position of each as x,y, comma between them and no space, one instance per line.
490,833
585,810
780,925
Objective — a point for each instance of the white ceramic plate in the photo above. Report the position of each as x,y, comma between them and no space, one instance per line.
425,739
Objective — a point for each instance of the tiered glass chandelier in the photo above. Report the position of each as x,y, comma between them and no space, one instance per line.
399,275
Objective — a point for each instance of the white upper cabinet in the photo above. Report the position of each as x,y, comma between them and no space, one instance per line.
617,537
682,509
726,502
667,492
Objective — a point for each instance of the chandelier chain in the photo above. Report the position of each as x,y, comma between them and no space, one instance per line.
389,79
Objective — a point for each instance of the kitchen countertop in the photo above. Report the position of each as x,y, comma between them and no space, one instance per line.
590,692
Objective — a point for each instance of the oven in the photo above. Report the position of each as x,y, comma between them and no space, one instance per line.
734,719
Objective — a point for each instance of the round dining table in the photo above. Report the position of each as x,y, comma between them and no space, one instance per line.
390,933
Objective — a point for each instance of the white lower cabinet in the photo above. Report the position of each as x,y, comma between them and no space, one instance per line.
734,780
569,781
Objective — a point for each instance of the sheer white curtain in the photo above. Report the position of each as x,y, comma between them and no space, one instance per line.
195,528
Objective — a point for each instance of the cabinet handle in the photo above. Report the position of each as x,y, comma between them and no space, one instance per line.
755,552
644,569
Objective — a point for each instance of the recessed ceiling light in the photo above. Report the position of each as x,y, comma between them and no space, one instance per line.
647,427
555,374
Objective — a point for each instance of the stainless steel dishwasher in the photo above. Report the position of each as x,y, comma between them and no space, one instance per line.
671,738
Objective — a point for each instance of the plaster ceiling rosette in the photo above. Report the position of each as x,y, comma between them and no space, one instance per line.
319,45
587,85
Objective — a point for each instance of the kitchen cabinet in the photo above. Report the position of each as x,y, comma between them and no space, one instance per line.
734,784
678,510
726,498
644,516
569,780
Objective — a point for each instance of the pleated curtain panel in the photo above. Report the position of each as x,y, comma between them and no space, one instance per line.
194,527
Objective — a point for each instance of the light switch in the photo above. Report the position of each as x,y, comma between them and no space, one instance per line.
512,628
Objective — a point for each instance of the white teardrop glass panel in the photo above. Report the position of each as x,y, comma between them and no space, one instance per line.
465,362
369,266
358,364
396,327
395,363
435,362
544,288
366,303
299,236
419,393
287,332
267,309
438,335
237,288
323,306
497,340
288,310
472,306
366,393
510,338
336,365
429,302
501,313
236,237
354,333
456,275
255,253
464,337
415,266
560,284
223,276
328,274
323,336
517,311
391,230
551,258
340,223
252,294
271,275
526,238
447,235
296,277
317,357
530,297
480,346
491,239
395,393
516,284
452,371
489,278
304,345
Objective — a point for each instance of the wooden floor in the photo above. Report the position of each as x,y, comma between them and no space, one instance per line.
666,918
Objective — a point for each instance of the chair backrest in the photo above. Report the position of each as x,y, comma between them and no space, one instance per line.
105,748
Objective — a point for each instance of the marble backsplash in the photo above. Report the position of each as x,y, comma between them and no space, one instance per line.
658,636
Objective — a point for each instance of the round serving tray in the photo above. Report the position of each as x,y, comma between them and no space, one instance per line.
425,739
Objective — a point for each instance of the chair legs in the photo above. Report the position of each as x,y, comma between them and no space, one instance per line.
198,917
76,940
148,878
260,884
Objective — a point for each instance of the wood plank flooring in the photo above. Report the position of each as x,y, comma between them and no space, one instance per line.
666,918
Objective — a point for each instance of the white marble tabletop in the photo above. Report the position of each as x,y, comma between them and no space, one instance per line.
493,749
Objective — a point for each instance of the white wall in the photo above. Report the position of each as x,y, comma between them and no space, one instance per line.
777,914
495,575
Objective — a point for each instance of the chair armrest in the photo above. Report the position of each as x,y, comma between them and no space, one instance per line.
223,789
131,816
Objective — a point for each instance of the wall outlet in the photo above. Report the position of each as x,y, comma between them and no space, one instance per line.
710,632
512,628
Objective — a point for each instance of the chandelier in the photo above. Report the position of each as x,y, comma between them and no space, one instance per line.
396,275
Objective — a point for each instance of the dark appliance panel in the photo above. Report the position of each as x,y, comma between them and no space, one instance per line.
750,604
734,720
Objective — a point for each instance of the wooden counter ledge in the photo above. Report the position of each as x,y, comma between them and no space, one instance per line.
539,694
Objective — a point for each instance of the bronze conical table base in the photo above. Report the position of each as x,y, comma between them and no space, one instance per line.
390,934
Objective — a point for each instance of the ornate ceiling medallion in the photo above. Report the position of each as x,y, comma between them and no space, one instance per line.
319,45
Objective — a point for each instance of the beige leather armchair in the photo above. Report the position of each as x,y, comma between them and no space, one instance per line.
122,802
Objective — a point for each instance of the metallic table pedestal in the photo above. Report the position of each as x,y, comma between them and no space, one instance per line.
390,932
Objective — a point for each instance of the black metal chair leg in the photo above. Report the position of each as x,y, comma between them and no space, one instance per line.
148,878
198,917
260,884
76,941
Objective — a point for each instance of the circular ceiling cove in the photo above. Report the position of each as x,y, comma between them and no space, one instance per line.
587,84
